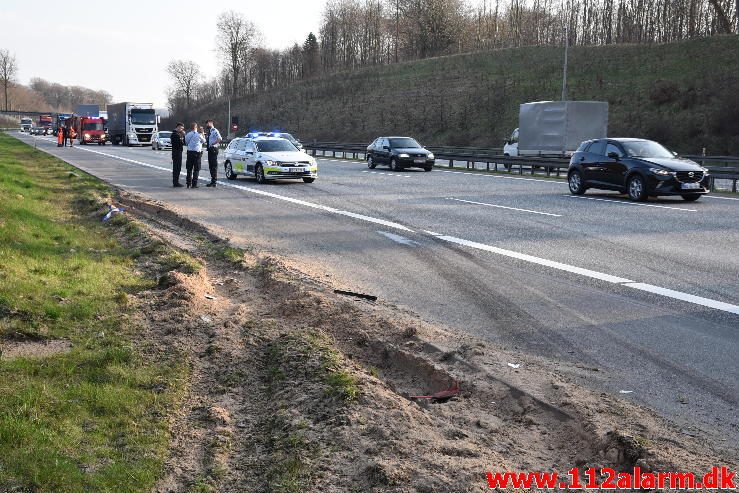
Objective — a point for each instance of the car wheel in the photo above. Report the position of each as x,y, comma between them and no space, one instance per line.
229,170
394,165
428,168
259,174
577,187
637,188
371,163
691,197
309,180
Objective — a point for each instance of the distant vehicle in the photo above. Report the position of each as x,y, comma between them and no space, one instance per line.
399,153
88,110
47,122
556,128
60,121
26,124
640,168
36,131
131,123
268,158
285,135
89,130
161,140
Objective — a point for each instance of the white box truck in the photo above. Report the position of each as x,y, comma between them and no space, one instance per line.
557,128
131,124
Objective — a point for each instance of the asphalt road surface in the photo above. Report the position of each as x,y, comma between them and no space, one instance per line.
648,293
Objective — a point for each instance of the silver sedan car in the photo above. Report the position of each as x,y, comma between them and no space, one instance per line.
161,140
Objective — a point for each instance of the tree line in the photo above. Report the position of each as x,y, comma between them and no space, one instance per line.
360,33
42,95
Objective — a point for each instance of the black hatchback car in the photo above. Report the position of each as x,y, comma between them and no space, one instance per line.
399,153
640,168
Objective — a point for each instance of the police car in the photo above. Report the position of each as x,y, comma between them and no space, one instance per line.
268,158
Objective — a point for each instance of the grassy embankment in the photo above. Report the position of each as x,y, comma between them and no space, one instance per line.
90,417
683,94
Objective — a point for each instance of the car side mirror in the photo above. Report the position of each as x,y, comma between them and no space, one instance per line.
614,155
674,154
387,148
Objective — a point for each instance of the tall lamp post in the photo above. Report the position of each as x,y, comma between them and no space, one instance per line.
564,71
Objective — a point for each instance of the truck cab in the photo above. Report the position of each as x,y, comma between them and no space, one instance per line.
511,145
90,130
26,125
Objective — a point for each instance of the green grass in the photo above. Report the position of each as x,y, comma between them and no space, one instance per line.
91,419
683,94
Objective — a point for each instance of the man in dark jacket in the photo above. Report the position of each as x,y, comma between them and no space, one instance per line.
178,143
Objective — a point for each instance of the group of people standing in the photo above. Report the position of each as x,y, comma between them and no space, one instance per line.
193,141
64,134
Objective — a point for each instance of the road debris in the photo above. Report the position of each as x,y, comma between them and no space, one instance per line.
625,391
206,319
209,297
514,366
441,396
113,210
356,295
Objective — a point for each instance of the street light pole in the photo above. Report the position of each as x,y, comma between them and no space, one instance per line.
564,74
229,116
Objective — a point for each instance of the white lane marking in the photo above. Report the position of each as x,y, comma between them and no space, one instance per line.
504,207
398,239
535,260
632,203
717,197
669,293
678,295
304,203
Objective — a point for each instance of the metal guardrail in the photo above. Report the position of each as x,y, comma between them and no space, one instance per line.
492,159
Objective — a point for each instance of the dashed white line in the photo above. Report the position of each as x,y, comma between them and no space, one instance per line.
623,202
505,207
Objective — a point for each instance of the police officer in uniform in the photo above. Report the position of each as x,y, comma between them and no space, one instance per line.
213,140
178,144
194,140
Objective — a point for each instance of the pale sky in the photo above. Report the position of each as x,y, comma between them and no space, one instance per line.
124,51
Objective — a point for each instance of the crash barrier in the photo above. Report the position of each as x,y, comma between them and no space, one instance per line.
491,159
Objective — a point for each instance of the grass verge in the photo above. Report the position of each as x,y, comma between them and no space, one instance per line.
91,418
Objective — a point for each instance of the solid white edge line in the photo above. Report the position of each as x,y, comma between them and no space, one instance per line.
719,197
690,298
536,260
505,207
304,203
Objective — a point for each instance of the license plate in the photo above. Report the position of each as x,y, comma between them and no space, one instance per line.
295,170
419,161
690,186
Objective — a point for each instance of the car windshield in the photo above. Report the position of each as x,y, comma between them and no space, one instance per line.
165,135
143,118
645,148
92,126
287,136
404,143
280,145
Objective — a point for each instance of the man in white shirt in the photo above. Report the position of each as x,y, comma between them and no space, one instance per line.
194,141
214,139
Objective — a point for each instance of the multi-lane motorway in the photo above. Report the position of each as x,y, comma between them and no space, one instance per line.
648,293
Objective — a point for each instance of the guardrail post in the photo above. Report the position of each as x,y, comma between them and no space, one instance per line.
549,171
487,167
451,163
520,169
733,186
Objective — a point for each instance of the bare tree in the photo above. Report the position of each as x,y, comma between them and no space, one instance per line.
235,39
8,71
186,75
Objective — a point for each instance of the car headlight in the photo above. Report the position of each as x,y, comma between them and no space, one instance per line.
271,163
403,155
660,171
87,136
705,170
430,156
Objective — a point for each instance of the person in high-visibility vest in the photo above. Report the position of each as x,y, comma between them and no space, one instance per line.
72,135
60,136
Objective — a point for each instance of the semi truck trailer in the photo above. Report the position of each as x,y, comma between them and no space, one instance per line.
131,124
